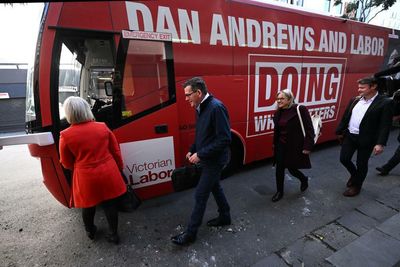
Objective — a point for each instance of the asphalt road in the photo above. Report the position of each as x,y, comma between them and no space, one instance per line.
35,230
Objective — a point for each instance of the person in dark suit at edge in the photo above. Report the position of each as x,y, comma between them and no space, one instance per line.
395,159
210,150
364,128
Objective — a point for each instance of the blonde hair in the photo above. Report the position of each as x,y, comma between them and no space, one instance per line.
289,95
77,110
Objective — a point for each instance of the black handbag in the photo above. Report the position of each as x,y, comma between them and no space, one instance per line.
185,177
129,201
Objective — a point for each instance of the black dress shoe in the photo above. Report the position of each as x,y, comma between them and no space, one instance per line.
183,239
352,191
304,185
91,232
382,171
278,196
113,238
219,221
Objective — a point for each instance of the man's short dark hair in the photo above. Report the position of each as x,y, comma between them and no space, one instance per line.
368,80
197,83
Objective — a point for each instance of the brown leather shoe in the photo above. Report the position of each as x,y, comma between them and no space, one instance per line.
352,191
350,182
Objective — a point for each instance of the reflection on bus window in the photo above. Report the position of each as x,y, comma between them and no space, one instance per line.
30,114
68,79
145,82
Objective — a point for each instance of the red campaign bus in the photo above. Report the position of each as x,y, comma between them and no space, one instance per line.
130,59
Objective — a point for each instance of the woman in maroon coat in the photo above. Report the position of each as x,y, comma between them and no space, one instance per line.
91,150
291,147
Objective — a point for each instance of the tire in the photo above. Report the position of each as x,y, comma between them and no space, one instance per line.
235,159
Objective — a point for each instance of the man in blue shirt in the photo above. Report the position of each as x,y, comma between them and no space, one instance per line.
210,150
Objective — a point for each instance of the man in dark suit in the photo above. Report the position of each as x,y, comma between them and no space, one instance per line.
210,150
364,128
395,159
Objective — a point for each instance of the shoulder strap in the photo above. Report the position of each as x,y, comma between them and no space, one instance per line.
301,120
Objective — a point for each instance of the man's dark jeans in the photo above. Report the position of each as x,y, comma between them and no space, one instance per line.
359,171
208,183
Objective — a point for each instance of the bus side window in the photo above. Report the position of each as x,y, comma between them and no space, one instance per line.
145,80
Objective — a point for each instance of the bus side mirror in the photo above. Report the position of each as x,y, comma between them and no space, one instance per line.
108,87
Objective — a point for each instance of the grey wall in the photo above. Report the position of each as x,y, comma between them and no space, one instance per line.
12,110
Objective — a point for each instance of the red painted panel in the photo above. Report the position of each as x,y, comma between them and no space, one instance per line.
53,175
144,129
53,14
118,14
86,15
45,62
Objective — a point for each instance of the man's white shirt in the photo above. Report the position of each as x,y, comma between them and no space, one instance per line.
358,113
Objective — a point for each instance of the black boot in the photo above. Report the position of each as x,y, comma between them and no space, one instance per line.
382,170
219,221
183,239
278,196
113,238
304,185
91,231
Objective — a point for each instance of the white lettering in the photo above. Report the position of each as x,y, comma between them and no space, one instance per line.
133,8
236,32
165,23
268,29
309,46
253,33
185,26
282,36
218,32
323,43
296,35
366,45
263,123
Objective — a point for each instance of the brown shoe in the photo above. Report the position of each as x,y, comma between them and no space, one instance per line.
352,191
350,182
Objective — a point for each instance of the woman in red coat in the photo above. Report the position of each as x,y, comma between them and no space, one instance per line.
91,150
291,147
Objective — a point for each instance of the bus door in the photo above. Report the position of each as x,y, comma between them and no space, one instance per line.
81,64
145,116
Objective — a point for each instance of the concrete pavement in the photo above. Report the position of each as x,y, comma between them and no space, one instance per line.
368,236
303,228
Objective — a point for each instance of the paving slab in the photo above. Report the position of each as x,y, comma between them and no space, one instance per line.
335,235
391,199
357,222
271,260
370,250
306,251
391,227
377,210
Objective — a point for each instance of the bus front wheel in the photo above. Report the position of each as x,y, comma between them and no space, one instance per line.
235,159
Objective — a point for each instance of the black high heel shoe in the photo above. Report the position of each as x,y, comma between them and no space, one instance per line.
92,231
113,238
304,185
278,196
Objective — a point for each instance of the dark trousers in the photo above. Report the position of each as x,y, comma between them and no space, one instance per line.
359,171
393,161
280,168
208,183
110,210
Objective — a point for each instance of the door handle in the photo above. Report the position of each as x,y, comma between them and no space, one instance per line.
160,129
